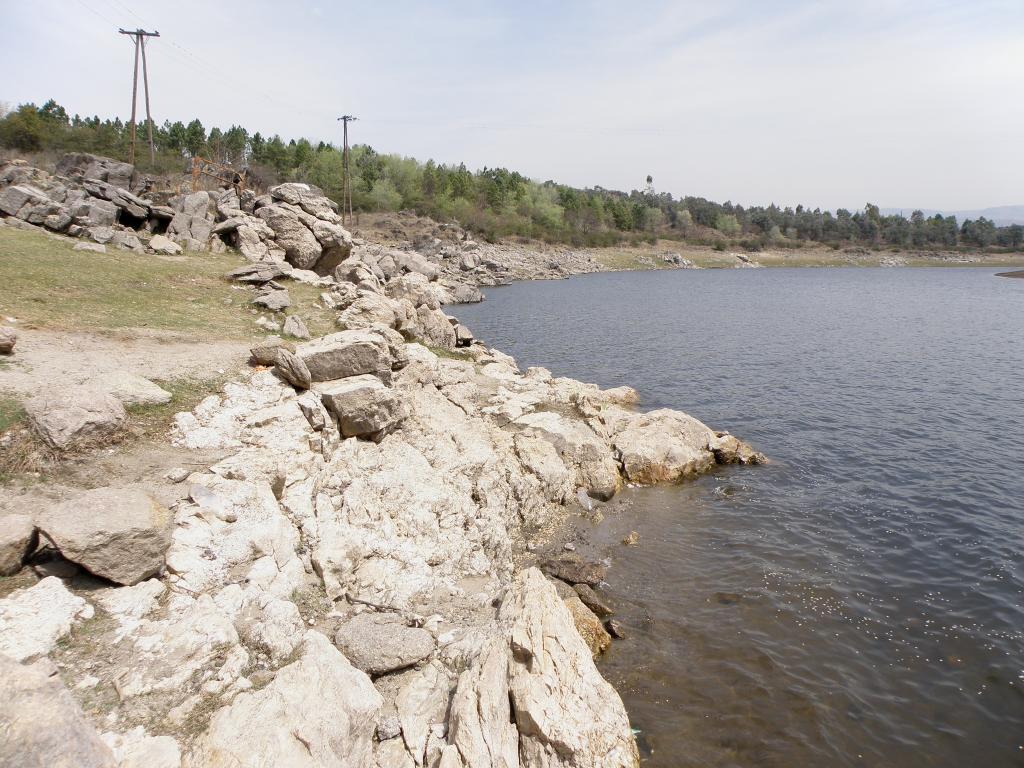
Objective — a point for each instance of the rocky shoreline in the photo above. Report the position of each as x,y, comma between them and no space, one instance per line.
356,580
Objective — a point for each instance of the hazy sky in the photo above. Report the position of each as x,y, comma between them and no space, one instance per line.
826,103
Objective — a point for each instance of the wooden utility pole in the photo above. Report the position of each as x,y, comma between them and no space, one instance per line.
346,182
139,36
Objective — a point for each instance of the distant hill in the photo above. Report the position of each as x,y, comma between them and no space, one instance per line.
1001,215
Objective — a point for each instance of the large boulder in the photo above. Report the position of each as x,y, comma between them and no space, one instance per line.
40,723
435,328
19,198
347,353
378,643
579,447
65,417
533,697
660,446
301,247
363,406
121,534
88,166
17,537
566,713
318,711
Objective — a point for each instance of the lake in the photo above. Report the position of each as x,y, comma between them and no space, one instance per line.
858,601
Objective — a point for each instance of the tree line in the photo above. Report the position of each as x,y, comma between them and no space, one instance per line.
497,202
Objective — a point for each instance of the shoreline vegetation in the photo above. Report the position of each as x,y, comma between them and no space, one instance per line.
498,203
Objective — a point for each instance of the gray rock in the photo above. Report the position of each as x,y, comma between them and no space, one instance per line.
300,246
347,353
274,300
14,198
378,643
68,416
266,352
92,212
292,369
260,272
162,244
574,569
362,405
289,193
17,540
41,723
94,247
593,600
8,338
293,326
88,166
389,727
121,534
463,336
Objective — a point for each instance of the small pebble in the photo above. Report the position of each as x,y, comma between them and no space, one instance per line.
569,546
177,475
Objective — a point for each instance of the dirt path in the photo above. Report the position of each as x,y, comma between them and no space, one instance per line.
45,357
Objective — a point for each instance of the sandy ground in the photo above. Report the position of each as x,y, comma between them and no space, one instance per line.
43,357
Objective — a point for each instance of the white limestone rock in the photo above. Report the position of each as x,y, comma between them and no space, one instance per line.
32,620
317,711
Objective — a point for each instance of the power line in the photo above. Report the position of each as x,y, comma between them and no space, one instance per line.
139,36
346,182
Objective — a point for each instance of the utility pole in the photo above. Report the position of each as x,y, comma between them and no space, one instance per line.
139,36
346,183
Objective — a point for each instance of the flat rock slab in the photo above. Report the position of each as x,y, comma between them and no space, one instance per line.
32,620
382,642
121,534
132,389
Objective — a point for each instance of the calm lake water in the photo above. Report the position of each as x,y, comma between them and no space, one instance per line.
860,601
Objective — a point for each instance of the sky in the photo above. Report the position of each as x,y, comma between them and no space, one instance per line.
828,103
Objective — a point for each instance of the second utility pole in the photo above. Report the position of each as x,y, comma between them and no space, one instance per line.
140,36
346,182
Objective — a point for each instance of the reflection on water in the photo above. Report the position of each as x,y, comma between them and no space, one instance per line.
860,601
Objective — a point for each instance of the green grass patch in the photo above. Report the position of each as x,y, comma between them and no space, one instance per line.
186,394
48,284
451,354
11,412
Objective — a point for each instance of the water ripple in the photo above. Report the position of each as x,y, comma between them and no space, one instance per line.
860,601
